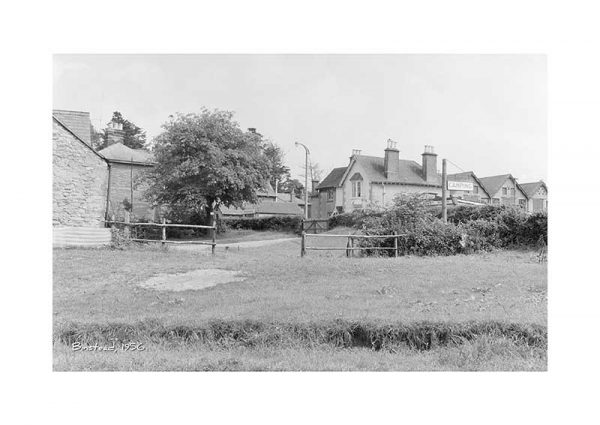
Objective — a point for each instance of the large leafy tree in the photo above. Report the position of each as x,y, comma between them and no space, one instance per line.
205,160
278,170
134,136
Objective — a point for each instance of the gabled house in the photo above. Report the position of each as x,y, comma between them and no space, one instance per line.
375,181
504,190
472,191
269,204
537,192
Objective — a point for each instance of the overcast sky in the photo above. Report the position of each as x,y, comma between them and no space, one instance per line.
485,113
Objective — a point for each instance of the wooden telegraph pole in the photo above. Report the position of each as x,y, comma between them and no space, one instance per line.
444,187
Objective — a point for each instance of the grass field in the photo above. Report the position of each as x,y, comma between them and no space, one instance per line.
102,288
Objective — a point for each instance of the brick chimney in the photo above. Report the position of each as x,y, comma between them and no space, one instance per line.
429,165
391,161
315,183
115,133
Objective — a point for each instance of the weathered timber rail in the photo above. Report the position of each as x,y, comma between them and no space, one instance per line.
164,225
350,246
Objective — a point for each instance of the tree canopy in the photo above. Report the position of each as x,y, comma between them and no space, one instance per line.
134,136
205,160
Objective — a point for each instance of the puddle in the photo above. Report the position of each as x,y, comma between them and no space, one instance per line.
194,280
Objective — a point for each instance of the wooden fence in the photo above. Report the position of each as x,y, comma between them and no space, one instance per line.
128,226
350,247
315,225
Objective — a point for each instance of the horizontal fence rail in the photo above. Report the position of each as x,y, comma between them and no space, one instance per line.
350,248
164,225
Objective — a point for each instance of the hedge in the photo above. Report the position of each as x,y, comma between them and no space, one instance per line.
276,223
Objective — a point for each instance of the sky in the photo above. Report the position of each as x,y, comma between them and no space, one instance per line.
485,113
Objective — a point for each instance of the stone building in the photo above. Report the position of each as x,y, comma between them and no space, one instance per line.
374,181
79,183
537,192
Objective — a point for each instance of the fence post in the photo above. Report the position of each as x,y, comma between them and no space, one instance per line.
348,247
351,246
303,244
127,227
395,244
164,231
214,232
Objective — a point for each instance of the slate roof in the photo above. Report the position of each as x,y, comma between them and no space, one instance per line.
493,184
531,188
78,122
266,207
410,173
121,153
333,179
281,208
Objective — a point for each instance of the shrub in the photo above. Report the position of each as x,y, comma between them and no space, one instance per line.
276,223
470,228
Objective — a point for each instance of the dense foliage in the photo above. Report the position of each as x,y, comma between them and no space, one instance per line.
205,160
280,224
133,137
469,229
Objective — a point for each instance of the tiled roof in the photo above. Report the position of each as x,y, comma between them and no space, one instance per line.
333,179
76,121
282,208
531,188
410,172
120,152
266,207
493,184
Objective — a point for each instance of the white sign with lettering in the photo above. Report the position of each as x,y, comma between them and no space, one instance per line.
460,186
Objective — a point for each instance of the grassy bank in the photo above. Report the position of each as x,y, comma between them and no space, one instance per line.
322,312
479,354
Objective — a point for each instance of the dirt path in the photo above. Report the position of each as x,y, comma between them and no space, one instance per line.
232,245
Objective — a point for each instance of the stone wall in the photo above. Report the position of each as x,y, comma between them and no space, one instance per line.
79,183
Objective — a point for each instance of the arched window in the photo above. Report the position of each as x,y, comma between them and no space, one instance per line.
357,185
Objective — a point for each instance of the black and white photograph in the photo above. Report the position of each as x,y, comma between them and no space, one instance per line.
313,212
300,213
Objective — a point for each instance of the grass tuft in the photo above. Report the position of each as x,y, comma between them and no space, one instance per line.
338,334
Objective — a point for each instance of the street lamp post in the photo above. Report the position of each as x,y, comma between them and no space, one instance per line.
305,179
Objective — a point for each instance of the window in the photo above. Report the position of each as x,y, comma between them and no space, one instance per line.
330,194
356,189
495,201
512,191
522,203
476,189
504,191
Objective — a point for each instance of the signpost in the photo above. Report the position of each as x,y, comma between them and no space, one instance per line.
460,186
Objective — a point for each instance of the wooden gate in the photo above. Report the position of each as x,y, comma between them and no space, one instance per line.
315,226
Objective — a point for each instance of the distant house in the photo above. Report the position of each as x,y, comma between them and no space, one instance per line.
269,204
504,190
473,191
375,181
79,182
126,171
537,192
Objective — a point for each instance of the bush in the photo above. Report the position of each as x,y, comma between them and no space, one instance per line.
470,228
280,224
